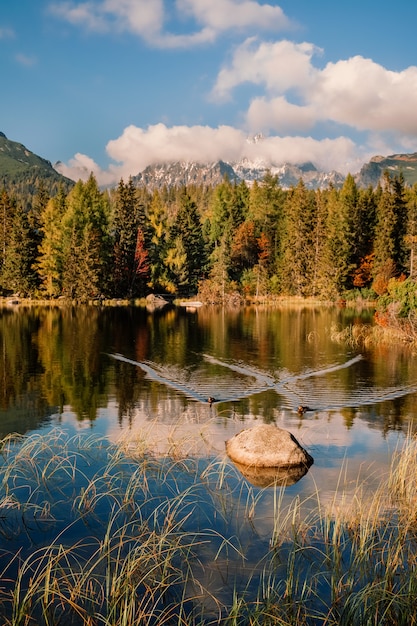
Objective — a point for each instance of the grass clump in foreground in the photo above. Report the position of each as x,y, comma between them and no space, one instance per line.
91,534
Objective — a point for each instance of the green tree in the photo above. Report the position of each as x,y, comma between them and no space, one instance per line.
7,211
411,237
157,216
186,258
221,213
17,274
391,254
339,252
86,241
50,255
297,270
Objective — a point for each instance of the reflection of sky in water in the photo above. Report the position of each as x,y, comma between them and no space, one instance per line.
200,431
345,443
344,457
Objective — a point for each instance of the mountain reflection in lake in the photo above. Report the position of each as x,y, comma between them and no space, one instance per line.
127,373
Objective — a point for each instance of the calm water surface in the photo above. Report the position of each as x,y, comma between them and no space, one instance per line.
142,375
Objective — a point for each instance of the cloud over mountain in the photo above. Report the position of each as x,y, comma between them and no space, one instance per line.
336,113
137,148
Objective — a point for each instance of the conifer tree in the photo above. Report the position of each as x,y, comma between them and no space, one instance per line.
186,258
157,216
17,274
86,241
390,244
411,237
7,211
297,269
128,218
222,213
141,267
338,261
49,263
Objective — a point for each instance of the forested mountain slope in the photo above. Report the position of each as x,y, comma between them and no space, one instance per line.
22,172
371,173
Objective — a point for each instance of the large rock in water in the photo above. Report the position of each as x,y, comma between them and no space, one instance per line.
267,446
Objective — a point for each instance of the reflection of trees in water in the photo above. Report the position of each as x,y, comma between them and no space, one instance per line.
54,358
51,358
22,405
70,345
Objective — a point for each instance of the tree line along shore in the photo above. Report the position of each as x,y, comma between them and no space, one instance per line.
220,244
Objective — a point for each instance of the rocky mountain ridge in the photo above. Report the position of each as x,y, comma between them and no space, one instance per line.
186,173
211,174
371,173
19,166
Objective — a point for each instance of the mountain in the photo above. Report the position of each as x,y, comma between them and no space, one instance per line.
288,174
211,174
184,173
21,172
371,173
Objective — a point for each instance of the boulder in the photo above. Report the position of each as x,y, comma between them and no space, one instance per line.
267,446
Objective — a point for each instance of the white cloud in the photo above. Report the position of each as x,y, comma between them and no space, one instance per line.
137,147
146,18
84,14
81,166
278,67
235,14
141,17
366,96
279,114
356,92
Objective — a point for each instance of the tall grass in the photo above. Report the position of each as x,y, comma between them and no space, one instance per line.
96,534
367,335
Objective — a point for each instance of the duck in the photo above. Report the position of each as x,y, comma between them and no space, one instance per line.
210,400
303,409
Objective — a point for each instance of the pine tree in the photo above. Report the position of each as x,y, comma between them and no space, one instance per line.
157,217
245,248
411,237
50,255
128,219
339,252
186,258
391,254
17,273
297,269
266,209
86,241
7,212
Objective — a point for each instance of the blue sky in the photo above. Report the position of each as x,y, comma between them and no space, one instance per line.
111,86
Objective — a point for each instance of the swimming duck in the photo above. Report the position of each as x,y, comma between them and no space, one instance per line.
303,409
210,400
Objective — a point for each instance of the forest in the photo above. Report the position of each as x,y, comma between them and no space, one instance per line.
223,244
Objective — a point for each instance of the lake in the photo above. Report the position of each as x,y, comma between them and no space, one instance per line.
122,372
141,379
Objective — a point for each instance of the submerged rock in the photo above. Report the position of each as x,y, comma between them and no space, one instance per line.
267,446
269,476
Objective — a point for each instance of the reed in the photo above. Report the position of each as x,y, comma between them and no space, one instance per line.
366,335
97,534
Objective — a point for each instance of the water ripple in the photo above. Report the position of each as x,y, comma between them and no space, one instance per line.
247,381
